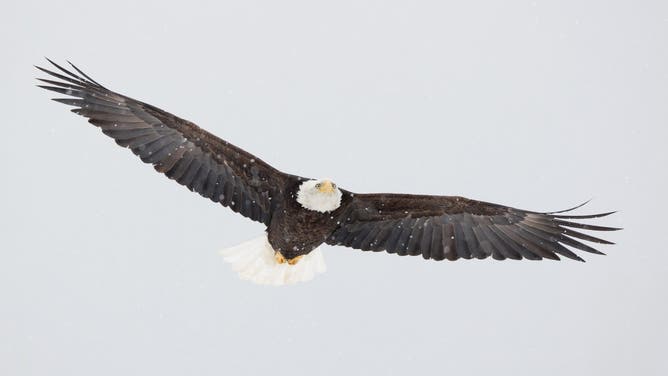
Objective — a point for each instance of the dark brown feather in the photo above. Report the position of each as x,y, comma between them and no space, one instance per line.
178,148
443,227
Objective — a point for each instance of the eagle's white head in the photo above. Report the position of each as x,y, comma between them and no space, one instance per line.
319,195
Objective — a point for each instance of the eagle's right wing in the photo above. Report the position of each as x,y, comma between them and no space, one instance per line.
178,148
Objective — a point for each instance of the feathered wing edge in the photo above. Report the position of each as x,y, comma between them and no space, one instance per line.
558,229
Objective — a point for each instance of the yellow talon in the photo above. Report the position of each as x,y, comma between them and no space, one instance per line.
279,258
295,260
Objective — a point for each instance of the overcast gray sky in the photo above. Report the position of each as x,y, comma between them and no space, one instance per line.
107,268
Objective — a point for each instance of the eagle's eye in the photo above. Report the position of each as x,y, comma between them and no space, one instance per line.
317,186
333,186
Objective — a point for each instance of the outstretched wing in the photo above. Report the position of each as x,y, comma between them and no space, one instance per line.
442,227
178,148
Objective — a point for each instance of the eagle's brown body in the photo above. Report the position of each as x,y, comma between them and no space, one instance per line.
307,228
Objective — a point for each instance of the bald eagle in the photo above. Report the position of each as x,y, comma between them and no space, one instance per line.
302,213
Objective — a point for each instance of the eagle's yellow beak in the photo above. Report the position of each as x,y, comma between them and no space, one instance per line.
326,186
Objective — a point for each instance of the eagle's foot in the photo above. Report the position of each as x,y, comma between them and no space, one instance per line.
279,258
295,260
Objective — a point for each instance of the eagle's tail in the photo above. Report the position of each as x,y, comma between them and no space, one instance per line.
254,261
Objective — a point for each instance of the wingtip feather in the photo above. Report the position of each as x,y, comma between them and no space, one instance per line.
570,209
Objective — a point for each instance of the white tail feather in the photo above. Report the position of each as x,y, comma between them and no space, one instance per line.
254,261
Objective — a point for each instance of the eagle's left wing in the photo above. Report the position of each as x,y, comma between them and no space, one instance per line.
446,227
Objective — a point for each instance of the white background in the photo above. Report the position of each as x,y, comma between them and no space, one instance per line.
107,268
